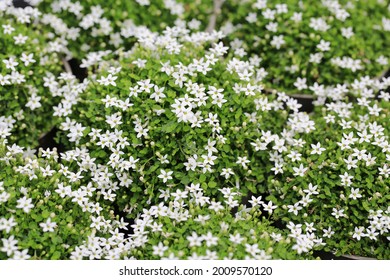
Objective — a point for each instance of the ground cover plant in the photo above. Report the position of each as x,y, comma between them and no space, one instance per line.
305,42
335,178
190,225
299,43
28,60
115,24
158,119
48,210
182,139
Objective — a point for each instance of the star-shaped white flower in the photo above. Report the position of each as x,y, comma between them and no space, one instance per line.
165,175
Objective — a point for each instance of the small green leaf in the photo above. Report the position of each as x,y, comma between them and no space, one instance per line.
45,214
56,256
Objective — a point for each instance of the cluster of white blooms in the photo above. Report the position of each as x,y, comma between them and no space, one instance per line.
192,135
354,140
336,9
67,191
174,219
27,56
297,37
347,63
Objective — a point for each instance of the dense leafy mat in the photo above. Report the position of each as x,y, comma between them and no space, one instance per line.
184,140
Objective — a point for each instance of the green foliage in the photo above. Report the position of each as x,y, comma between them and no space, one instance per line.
303,25
345,180
27,59
41,216
119,23
185,228
152,136
194,143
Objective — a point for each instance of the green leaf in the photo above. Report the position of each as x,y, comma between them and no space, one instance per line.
185,180
252,187
327,191
169,127
45,214
56,256
366,206
238,113
134,76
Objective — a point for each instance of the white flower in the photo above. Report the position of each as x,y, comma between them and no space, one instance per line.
317,149
251,18
277,41
300,83
194,239
158,94
216,206
310,227
252,249
10,63
227,172
25,204
255,201
295,156
179,194
109,80
48,226
346,179
210,239
278,168
191,163
305,200
7,225
243,161
338,213
27,59
328,232
34,102
319,24
259,146
347,32
9,245
294,208
371,233
359,233
300,171
296,17
208,159
355,194
165,175
159,249
114,120
351,163
20,39
236,239
8,29
4,196
382,60
323,46
269,207
385,170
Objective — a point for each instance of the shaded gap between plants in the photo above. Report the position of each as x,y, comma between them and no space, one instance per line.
80,73
20,4
121,214
48,141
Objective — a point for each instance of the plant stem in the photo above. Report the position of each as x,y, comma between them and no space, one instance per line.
214,15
